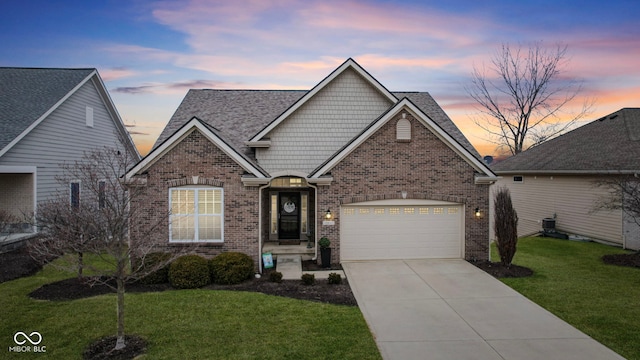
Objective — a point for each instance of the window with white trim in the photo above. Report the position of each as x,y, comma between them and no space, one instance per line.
196,214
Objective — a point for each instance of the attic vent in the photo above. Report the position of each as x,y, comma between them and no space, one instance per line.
403,129
89,116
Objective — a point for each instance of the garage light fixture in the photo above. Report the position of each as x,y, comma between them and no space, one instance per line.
328,215
477,213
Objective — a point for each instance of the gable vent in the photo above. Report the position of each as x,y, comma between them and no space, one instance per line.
403,129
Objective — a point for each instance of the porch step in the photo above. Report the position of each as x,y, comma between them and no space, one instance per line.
277,250
290,266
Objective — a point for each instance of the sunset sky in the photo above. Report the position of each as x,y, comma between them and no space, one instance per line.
149,53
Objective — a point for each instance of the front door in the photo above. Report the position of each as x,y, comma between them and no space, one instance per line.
289,211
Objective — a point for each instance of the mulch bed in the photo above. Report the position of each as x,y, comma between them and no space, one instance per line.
103,349
321,291
632,260
498,270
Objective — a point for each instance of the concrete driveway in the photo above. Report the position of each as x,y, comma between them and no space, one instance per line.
449,309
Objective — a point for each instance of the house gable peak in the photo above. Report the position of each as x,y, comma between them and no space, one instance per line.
348,64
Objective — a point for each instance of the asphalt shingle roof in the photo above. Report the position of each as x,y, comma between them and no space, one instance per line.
238,115
27,93
609,144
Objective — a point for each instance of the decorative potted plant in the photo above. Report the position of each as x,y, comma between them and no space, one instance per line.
325,252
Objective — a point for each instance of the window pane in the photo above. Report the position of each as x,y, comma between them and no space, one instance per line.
304,211
102,189
209,227
75,194
182,228
274,214
182,201
217,201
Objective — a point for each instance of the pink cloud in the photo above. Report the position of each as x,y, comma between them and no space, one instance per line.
116,73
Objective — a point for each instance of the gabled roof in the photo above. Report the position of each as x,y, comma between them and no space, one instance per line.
29,95
610,144
210,133
485,173
348,64
238,114
244,117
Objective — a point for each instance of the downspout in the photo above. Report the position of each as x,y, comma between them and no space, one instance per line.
315,222
260,225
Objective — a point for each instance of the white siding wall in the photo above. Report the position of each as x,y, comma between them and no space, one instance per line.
631,233
323,125
571,198
63,137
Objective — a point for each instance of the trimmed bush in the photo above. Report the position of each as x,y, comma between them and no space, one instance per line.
308,279
159,261
189,272
231,268
275,276
334,278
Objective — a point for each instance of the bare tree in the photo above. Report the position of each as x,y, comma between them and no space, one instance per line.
6,220
523,98
505,226
623,194
98,224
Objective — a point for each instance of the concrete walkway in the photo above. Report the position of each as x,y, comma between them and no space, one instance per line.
449,309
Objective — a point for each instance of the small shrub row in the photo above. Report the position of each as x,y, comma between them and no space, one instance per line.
334,279
231,268
194,271
189,272
157,264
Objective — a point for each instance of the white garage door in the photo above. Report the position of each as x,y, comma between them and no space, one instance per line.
379,231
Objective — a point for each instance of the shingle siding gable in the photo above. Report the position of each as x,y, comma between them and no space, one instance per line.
323,124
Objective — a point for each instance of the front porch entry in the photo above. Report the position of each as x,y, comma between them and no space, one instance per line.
289,209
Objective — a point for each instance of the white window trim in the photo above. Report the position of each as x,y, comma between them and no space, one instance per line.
196,227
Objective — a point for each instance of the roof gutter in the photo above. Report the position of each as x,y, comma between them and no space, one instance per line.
568,172
480,180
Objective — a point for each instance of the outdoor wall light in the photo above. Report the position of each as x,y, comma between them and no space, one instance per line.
328,215
477,212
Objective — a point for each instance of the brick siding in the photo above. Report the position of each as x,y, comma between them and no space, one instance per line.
380,168
195,155
426,168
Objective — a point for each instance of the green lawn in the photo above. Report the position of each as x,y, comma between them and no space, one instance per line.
571,281
194,324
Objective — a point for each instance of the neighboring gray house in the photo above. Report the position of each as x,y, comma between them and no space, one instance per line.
558,179
47,117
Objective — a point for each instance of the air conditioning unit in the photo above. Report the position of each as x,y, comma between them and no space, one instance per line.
548,224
